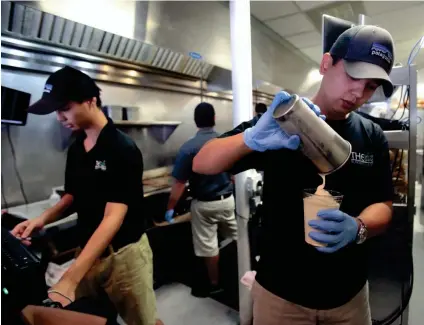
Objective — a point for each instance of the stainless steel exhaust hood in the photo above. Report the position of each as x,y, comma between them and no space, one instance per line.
39,41
31,24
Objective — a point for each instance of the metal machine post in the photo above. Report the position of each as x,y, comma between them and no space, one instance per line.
241,59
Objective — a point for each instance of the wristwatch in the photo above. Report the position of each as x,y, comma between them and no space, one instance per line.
362,232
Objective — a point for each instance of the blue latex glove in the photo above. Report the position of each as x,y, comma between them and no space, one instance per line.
339,230
168,215
267,134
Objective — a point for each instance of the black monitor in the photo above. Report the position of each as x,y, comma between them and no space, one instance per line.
332,28
14,106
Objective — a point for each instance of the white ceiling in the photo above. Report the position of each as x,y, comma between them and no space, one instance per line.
403,19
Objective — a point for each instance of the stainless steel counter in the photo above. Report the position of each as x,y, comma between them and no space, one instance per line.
155,181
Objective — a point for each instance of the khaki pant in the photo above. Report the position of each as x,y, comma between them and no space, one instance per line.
269,309
127,278
206,218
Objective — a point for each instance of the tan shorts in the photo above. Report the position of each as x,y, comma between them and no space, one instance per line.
127,278
207,218
269,309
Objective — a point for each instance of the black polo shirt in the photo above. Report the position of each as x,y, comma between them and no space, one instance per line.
289,267
110,172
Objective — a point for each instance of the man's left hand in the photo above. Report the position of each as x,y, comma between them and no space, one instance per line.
65,288
338,229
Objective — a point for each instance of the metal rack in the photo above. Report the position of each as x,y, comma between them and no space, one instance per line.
407,140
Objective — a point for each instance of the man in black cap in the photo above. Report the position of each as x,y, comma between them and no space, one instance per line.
103,180
298,283
213,205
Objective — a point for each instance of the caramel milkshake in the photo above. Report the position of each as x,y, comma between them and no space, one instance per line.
313,202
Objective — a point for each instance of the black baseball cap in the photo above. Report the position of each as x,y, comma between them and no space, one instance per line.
65,85
368,53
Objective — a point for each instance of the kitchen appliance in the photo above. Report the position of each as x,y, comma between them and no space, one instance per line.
14,106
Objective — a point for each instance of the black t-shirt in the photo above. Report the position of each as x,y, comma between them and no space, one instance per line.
289,267
110,172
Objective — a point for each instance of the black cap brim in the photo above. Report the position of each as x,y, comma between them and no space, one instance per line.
365,70
45,106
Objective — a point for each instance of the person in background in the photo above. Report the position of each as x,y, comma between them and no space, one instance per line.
260,109
297,283
213,204
103,180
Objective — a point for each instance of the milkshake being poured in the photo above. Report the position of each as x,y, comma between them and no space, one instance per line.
313,202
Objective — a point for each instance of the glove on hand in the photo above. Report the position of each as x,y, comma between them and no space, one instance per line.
338,230
267,134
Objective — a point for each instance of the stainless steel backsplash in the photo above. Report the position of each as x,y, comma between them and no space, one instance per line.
41,149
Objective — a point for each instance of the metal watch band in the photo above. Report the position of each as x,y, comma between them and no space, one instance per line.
362,232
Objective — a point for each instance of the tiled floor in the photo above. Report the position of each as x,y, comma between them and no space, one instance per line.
177,306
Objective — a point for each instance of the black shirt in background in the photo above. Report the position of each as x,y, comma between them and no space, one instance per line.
289,267
110,172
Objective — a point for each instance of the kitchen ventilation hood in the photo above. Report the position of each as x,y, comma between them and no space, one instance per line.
34,40
31,24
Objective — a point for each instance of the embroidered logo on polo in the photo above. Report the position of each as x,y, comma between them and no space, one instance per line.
48,88
100,164
363,159
382,51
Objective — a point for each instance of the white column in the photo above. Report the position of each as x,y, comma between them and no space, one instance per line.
241,58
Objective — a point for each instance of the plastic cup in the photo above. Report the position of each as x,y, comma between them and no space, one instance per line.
313,203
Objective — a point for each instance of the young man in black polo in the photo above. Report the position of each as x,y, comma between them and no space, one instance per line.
297,283
103,179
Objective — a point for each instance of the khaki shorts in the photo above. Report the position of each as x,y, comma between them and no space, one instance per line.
127,278
269,309
207,219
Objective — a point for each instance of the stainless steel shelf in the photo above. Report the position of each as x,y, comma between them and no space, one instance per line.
160,130
147,123
397,139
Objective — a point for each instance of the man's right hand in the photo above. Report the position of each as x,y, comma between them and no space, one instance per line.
24,229
267,134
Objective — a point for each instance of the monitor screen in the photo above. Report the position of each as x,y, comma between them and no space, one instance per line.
332,28
14,106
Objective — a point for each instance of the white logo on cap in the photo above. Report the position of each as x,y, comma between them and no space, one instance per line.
382,51
48,88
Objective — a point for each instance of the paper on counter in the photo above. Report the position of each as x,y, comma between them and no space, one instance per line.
55,272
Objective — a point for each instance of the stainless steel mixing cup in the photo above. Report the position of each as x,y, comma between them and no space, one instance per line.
319,142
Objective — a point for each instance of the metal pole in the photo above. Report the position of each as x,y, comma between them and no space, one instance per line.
363,20
412,163
241,59
202,67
